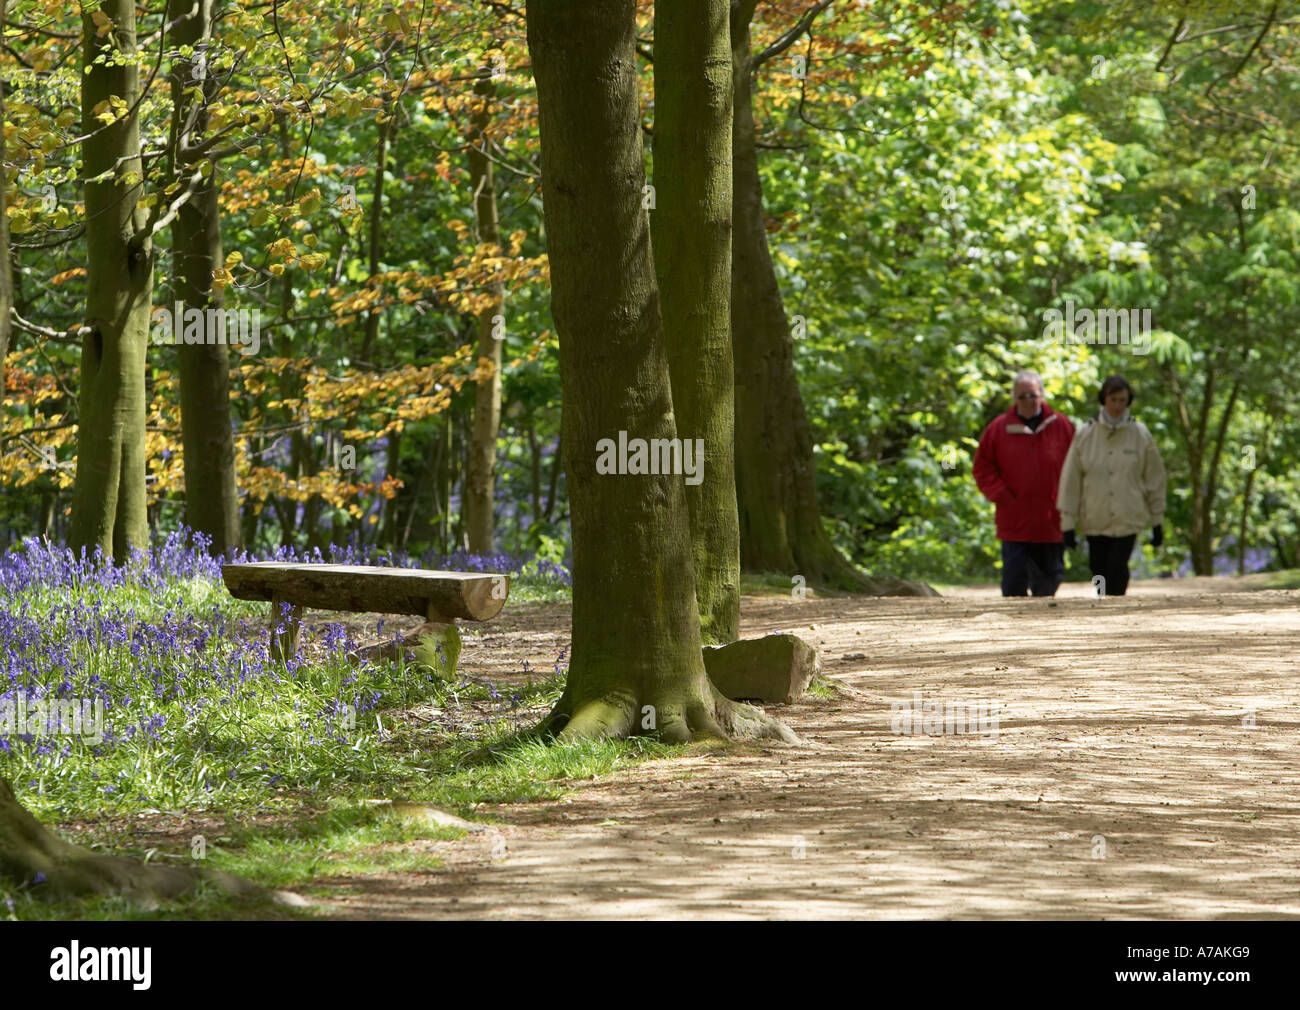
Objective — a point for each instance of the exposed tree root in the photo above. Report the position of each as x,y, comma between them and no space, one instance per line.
889,585
32,856
839,573
745,722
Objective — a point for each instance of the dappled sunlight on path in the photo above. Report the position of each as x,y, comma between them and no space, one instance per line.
1126,778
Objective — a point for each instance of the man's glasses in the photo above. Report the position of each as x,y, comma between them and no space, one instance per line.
1029,396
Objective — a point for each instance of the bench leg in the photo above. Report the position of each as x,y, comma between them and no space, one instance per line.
388,649
284,643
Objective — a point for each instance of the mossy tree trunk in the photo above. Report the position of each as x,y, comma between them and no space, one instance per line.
108,499
691,235
636,663
480,470
780,522
207,435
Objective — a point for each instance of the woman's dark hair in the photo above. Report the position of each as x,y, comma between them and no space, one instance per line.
1113,383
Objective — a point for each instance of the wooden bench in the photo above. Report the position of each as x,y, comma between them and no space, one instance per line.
438,597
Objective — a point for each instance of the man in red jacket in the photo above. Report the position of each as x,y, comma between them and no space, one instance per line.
1017,467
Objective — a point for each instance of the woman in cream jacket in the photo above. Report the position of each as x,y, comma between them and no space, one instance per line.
1112,487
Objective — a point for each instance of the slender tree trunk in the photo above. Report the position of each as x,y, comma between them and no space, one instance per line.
1202,540
552,491
6,271
1209,451
535,457
305,463
207,435
636,663
1188,429
251,521
108,500
691,237
392,463
1243,528
1284,555
376,227
302,448
444,482
780,524
480,483
411,502
48,500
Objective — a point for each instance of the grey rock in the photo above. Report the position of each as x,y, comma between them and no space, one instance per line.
775,668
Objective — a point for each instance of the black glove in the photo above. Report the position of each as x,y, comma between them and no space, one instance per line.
1157,535
1070,542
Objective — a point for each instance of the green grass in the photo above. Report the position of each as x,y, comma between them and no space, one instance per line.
348,841
527,591
270,757
1288,578
768,584
358,839
206,903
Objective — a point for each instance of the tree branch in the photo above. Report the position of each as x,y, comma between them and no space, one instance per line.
61,336
1230,74
161,221
1174,39
788,39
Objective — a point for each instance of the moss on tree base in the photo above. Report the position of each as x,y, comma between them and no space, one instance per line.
671,719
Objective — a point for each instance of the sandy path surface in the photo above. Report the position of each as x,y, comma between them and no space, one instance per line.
1126,779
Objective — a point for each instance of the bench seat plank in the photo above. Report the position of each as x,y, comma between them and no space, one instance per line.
446,596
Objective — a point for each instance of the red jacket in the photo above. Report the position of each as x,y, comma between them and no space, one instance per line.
1018,470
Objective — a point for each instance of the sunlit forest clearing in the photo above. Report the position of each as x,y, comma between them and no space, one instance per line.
800,459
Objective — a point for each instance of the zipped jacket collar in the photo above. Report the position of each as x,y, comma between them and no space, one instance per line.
1016,424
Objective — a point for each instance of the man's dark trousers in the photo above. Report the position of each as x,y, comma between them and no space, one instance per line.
1036,567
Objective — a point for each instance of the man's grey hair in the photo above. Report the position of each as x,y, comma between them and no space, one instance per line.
1028,375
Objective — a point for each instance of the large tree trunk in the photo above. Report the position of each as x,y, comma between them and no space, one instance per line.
780,524
636,662
480,473
691,232
211,494
108,499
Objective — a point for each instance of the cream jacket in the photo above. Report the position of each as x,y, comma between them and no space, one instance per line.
1113,480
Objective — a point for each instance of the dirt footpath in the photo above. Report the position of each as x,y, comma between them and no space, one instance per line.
1137,758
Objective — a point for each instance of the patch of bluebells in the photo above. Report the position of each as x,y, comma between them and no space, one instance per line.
40,564
183,554
171,679
143,671
1258,559
163,675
